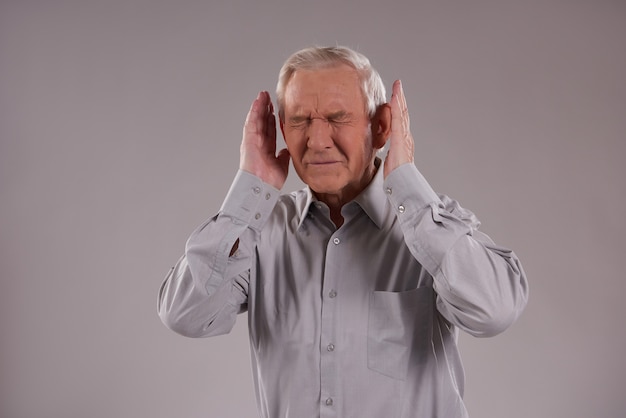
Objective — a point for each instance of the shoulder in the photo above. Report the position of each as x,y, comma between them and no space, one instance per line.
291,206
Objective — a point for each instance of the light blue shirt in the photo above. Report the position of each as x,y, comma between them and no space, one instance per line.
358,321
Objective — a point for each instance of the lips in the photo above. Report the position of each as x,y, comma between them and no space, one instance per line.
322,162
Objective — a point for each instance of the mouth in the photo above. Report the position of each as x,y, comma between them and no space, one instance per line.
322,163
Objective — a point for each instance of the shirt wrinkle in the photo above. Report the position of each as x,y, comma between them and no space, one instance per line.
346,322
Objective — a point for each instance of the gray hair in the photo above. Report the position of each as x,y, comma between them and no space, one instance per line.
315,58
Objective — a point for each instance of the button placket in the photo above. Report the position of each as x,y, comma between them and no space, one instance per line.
335,260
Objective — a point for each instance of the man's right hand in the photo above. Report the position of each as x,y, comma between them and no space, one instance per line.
258,147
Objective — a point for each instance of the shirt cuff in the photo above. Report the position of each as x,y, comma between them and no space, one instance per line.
250,201
408,190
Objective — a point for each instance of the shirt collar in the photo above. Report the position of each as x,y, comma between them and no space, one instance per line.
304,200
372,199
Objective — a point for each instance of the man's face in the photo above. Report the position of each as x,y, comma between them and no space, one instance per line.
327,131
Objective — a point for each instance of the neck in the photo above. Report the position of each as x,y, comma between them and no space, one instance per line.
336,201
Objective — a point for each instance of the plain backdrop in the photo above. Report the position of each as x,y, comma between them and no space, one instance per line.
120,123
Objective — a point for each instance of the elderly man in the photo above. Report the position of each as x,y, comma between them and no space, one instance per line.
356,286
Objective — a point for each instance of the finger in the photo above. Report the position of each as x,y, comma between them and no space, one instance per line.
271,120
253,109
270,126
397,124
402,97
402,111
402,100
252,119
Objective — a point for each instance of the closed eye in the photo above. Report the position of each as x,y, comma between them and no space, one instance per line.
339,118
298,122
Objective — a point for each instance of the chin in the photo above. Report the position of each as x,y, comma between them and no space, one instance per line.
326,187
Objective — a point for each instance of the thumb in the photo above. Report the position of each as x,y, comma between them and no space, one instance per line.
283,158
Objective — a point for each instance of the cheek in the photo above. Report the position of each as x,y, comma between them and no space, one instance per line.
356,144
295,144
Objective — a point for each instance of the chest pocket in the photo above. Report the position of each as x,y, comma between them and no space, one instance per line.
399,330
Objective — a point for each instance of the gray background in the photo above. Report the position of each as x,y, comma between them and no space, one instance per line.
120,124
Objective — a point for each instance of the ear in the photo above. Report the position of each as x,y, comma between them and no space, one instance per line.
381,125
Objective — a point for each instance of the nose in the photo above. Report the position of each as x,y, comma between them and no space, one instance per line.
319,134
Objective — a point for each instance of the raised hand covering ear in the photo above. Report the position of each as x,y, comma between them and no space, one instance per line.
401,145
258,146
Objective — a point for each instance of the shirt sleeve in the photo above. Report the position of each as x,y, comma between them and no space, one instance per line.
206,289
481,287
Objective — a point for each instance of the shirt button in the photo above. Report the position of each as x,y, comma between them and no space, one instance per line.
267,196
256,190
388,190
329,402
336,241
257,216
401,208
332,293
330,347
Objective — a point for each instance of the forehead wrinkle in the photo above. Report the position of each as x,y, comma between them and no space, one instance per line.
322,94
332,107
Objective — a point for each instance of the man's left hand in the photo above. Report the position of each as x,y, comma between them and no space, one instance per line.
401,146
